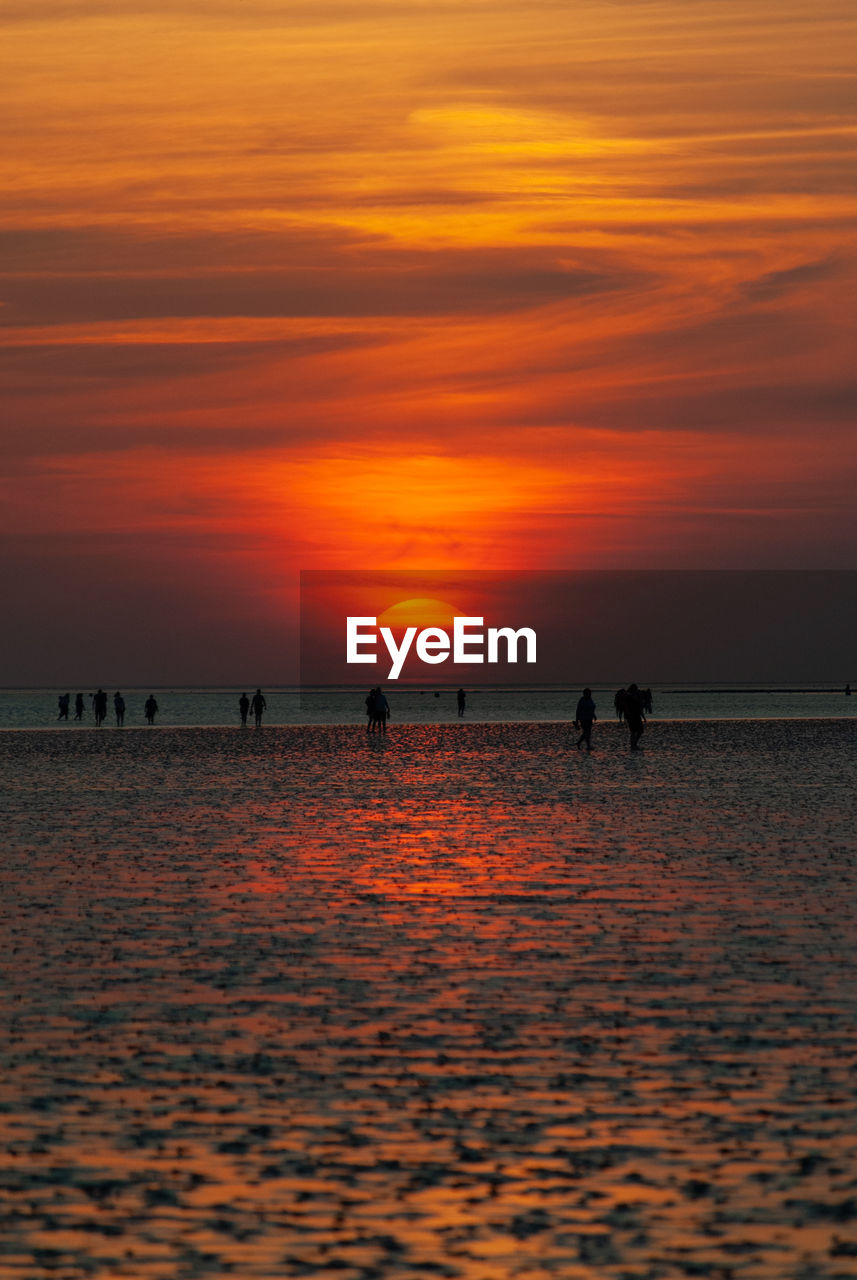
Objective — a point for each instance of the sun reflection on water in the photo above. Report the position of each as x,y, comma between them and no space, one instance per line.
461,1005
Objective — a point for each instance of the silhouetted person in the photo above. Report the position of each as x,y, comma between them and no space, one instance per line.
119,708
258,704
619,703
646,695
99,707
244,707
62,704
462,699
632,706
382,710
151,708
583,718
371,712
78,707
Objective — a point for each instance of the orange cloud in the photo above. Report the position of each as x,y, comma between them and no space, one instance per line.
394,283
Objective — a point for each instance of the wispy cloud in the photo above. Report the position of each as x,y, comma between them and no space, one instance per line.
541,284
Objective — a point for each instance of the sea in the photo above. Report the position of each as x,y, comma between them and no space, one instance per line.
458,1001
183,706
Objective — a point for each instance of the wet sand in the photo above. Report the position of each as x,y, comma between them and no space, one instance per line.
461,1003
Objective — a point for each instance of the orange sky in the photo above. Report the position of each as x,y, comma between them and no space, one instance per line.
412,283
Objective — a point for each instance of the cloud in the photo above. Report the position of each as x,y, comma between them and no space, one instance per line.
309,279
145,248
47,366
386,282
261,13
36,452
777,284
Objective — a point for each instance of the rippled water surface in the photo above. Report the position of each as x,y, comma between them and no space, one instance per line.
456,1003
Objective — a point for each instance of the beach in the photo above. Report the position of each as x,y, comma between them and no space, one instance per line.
219,708
457,1002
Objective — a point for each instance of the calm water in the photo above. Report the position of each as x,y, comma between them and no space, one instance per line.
456,1003
37,708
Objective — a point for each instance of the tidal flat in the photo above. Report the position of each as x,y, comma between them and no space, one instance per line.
461,1002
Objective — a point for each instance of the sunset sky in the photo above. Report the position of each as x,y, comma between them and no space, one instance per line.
410,284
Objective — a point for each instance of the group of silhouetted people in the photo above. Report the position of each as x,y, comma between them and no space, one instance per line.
377,711
635,695
256,704
64,704
99,707
631,705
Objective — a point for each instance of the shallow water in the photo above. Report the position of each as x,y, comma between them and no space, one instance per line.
458,1003
37,708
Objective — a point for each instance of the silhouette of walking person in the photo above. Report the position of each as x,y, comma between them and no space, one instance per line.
632,706
119,708
462,701
62,704
258,704
151,708
371,711
583,718
382,710
78,707
619,703
99,706
244,707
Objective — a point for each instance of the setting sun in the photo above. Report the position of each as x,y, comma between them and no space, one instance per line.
419,612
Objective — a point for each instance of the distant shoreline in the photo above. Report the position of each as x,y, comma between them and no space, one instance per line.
823,686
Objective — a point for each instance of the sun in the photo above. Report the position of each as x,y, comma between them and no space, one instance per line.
420,611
